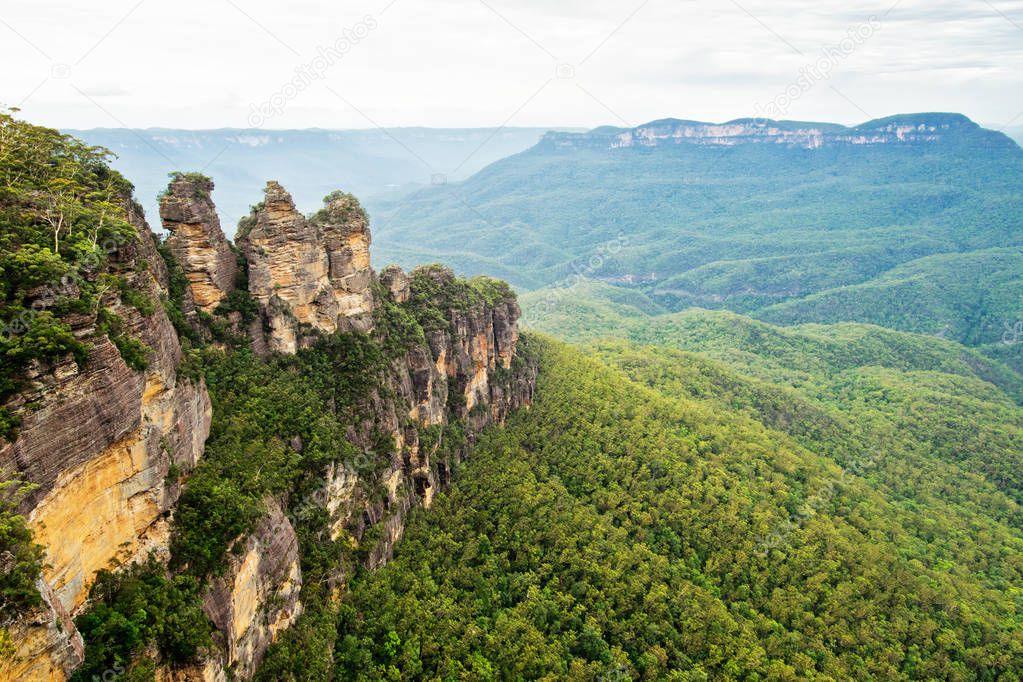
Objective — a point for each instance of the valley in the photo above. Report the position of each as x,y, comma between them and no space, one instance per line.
762,419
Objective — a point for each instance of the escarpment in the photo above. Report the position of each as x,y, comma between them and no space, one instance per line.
440,363
98,439
406,369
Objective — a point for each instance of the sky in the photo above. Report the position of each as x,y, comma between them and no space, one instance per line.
475,63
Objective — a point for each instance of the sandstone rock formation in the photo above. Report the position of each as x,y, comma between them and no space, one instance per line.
471,358
99,441
258,595
196,240
308,275
396,282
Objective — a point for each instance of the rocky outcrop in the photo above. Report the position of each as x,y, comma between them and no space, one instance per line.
108,446
258,595
196,240
48,645
465,373
98,441
396,282
308,276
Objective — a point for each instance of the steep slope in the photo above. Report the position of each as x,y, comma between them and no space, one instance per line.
143,536
96,411
974,298
664,522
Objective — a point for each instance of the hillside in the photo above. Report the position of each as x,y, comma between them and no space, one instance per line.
258,458
661,516
781,220
201,441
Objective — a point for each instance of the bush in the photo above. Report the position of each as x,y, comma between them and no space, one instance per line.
134,353
21,559
135,608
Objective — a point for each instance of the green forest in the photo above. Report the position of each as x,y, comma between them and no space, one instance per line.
659,515
921,238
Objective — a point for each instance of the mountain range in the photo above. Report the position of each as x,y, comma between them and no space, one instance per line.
895,222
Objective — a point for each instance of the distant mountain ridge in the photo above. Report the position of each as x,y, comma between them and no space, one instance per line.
913,222
899,129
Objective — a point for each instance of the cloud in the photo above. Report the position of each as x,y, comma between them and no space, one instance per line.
100,91
487,62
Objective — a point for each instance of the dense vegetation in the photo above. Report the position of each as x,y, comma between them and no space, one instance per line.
62,215
678,520
21,560
133,609
705,496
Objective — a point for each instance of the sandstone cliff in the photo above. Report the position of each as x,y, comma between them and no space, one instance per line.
311,276
258,596
110,447
98,441
308,276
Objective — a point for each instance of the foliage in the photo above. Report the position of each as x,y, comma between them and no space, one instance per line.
972,298
203,185
135,298
434,291
62,214
922,237
619,524
21,559
134,608
339,207
134,353
261,409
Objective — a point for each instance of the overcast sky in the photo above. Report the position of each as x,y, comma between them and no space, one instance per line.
455,63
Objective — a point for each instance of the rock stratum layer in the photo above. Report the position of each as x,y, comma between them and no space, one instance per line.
110,448
98,443
916,129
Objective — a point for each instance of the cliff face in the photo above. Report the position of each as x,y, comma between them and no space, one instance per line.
903,130
312,275
197,241
98,442
258,596
110,447
464,374
308,275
